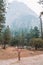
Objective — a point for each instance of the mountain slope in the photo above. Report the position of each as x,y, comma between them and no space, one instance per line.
20,17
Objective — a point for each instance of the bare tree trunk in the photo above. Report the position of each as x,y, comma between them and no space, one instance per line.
4,46
41,27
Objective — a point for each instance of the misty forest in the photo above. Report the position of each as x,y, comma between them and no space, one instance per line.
25,30
21,32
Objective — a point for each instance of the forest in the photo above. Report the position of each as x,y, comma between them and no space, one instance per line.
31,38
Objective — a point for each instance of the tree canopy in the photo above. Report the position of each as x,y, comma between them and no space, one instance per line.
2,14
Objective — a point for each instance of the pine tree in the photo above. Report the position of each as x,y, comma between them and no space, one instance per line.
2,14
7,36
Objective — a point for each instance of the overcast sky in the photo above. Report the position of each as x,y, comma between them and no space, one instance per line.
33,4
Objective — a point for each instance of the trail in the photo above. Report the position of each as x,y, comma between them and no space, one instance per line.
35,60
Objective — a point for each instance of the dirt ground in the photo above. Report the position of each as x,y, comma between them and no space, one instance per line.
12,52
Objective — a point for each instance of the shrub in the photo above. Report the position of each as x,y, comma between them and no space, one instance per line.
36,42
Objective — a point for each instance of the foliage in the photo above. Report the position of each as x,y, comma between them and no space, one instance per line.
34,33
22,38
2,14
1,38
7,36
36,42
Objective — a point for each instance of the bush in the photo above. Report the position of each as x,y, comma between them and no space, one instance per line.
36,42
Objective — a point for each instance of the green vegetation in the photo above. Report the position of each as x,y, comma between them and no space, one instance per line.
2,19
36,43
6,36
2,14
23,38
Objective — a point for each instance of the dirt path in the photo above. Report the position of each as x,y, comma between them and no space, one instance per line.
35,60
12,52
